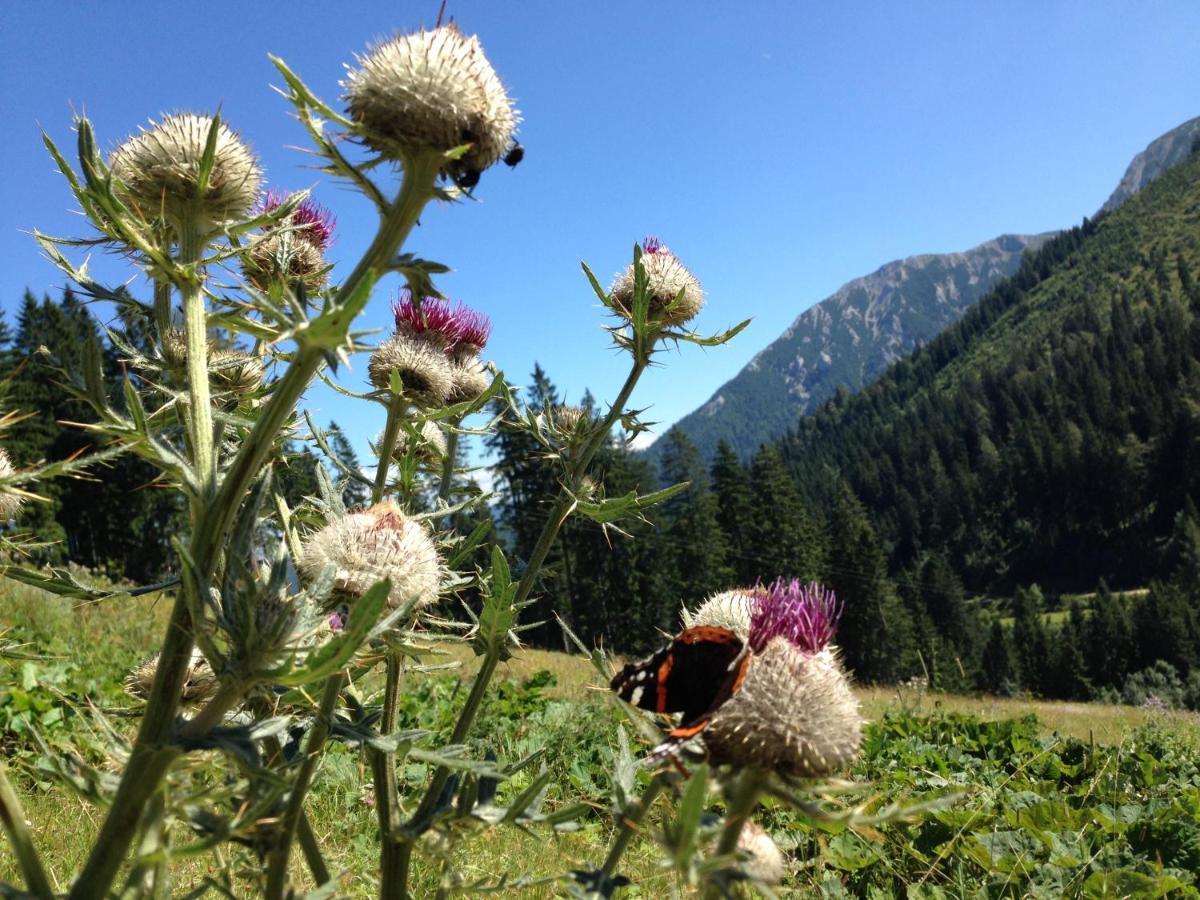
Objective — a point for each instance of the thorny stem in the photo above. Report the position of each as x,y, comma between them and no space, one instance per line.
151,754
387,446
741,800
447,482
630,824
277,859
558,514
195,321
16,827
383,767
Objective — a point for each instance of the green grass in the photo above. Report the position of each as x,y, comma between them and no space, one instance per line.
919,746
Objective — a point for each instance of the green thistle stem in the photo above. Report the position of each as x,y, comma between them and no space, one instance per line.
277,859
487,669
387,446
16,827
741,801
447,482
630,825
383,767
151,754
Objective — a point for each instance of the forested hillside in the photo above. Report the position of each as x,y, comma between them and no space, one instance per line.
1052,434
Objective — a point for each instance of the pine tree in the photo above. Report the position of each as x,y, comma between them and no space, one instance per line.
1031,641
735,512
998,671
695,542
876,632
784,539
355,493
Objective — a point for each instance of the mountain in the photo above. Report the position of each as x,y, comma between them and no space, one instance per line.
1052,434
850,337
1169,150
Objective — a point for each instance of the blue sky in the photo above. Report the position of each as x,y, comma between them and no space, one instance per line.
780,149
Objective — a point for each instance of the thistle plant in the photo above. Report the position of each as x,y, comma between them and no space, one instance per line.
281,614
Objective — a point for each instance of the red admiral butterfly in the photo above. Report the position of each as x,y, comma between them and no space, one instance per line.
694,674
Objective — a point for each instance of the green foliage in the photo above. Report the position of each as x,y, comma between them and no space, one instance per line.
1050,434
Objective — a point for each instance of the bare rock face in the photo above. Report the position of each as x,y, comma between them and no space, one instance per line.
1169,150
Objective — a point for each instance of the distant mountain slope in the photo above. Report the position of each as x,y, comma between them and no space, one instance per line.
1051,435
850,337
1162,153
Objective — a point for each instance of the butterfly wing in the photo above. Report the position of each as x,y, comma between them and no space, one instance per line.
693,675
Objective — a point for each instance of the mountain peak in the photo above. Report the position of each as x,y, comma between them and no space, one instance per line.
1160,154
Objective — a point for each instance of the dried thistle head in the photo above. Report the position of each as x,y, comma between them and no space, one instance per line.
158,173
199,686
432,91
10,504
423,369
379,542
675,294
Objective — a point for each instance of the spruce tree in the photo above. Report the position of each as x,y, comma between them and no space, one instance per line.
735,512
695,542
876,632
785,541
998,671
1031,641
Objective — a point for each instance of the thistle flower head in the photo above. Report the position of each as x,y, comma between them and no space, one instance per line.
235,371
675,294
794,713
762,860
365,547
423,369
429,447
728,609
471,378
10,504
310,220
295,252
158,171
199,685
453,327
806,615
432,91
570,419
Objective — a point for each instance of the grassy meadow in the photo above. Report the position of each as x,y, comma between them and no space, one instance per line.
1084,800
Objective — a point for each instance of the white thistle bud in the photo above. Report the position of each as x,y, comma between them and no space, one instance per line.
432,91
430,447
667,281
10,504
728,609
158,171
470,379
763,860
365,547
199,685
423,369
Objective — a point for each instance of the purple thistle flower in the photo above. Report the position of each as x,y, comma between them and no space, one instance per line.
311,219
807,615
335,622
458,324
652,244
